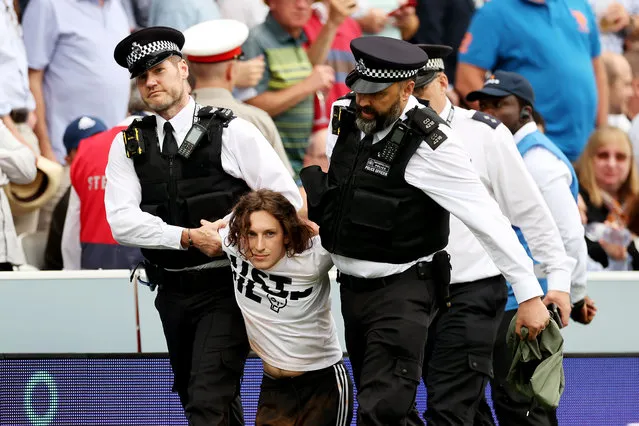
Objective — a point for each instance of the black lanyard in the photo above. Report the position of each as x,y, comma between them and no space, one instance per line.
451,114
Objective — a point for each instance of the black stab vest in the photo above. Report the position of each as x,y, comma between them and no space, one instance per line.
181,191
368,211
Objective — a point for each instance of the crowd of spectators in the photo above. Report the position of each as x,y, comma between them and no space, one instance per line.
60,85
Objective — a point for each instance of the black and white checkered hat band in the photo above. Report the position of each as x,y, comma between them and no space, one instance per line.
380,74
138,52
436,64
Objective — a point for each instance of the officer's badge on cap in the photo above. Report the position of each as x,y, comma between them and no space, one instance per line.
146,48
214,41
436,54
382,61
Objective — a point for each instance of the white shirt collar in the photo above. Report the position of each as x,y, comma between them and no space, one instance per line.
446,111
181,122
525,130
412,102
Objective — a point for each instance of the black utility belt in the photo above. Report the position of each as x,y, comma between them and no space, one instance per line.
421,270
187,278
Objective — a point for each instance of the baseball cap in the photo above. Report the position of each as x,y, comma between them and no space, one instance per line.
81,128
502,84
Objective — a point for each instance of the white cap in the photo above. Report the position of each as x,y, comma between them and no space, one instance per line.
215,41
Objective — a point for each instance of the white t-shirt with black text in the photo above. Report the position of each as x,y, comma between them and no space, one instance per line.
287,309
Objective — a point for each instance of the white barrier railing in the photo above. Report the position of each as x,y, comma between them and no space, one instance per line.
102,312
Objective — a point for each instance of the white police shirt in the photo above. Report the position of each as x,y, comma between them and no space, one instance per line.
246,155
553,178
502,171
447,176
287,309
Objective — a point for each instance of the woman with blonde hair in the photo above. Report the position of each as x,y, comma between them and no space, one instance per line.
609,185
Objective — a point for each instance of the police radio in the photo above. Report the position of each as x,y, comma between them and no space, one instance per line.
133,144
393,143
198,131
192,139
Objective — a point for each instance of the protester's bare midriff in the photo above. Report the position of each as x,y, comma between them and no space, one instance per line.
279,373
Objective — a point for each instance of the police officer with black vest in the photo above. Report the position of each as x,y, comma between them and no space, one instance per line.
167,174
396,171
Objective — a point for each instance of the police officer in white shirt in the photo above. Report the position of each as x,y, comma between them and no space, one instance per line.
166,173
459,367
283,289
510,97
396,171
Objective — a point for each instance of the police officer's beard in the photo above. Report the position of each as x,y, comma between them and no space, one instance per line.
172,97
380,121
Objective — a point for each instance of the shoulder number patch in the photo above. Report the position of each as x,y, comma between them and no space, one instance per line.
486,118
426,122
435,139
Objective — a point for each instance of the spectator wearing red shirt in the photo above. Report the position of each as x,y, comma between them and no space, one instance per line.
330,18
87,241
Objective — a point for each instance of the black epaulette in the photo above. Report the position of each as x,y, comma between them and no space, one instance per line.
147,122
486,119
132,136
426,121
205,112
223,115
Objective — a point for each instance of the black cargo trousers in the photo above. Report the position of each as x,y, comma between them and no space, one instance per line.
386,322
207,342
459,353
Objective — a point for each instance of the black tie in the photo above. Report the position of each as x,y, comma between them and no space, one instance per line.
366,141
169,147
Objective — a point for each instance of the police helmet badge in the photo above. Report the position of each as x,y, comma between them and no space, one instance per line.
361,67
136,49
